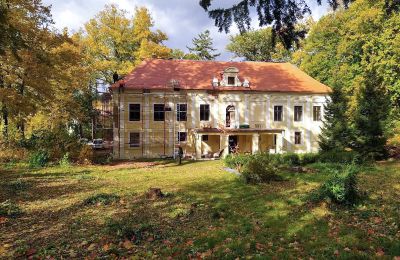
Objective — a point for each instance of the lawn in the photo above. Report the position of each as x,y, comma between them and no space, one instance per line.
103,211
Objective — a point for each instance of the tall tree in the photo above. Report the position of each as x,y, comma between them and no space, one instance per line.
257,46
283,15
335,133
116,43
358,50
203,47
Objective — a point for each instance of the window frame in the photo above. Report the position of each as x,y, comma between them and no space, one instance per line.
131,119
231,77
133,144
298,138
276,118
319,118
205,113
158,112
295,115
180,112
184,133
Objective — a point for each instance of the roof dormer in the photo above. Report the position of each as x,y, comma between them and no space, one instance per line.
230,77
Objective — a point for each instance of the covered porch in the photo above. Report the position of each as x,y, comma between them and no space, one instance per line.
217,143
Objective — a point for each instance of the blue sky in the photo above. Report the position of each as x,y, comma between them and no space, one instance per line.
180,19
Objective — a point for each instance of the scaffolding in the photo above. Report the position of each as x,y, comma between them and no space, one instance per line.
163,136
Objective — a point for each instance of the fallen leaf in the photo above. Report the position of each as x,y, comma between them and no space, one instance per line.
336,253
380,252
127,244
30,252
91,247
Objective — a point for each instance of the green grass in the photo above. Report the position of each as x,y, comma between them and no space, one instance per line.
103,211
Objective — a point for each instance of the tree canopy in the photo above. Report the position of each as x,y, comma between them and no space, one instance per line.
282,15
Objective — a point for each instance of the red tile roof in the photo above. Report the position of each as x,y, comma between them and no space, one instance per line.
198,75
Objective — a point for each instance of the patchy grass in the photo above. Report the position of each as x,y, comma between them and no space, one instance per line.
208,213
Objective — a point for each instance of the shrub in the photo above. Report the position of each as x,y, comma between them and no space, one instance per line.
236,161
345,157
65,160
11,155
342,187
86,155
260,168
9,209
39,159
290,159
308,158
101,198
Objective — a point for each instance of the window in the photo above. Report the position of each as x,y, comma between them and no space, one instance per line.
231,80
181,112
297,138
159,112
182,136
317,113
204,112
204,138
134,112
278,113
134,140
298,113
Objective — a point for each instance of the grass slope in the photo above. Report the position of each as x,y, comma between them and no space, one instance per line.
101,211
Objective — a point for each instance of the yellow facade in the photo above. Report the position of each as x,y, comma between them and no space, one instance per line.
256,109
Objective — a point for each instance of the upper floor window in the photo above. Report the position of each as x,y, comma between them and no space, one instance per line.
278,113
182,136
204,112
298,113
159,112
317,113
134,112
231,80
181,112
297,138
134,139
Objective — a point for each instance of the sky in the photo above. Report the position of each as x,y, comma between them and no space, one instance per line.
180,19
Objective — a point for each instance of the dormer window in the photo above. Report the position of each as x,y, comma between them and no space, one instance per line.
230,77
231,81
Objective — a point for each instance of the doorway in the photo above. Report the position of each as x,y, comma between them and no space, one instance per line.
233,143
230,116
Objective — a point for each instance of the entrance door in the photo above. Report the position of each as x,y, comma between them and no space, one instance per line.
233,141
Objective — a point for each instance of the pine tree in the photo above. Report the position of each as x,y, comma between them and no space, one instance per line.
371,112
203,47
335,134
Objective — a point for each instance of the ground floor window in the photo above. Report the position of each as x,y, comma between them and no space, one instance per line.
204,138
134,139
182,136
297,138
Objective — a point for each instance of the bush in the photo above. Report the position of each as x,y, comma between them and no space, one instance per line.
9,209
236,161
345,157
260,168
65,160
308,158
290,159
86,155
12,155
38,159
342,187
101,198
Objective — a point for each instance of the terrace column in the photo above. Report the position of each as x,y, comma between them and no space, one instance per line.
224,144
255,143
279,143
198,146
